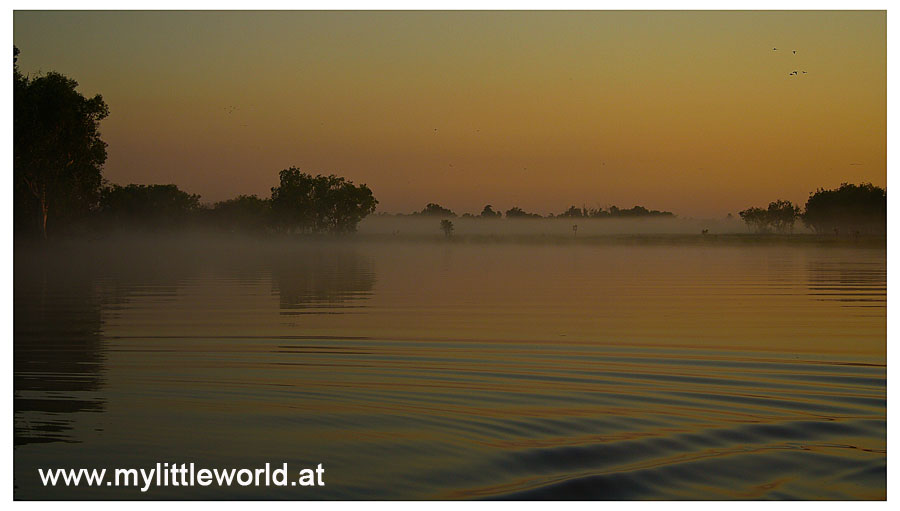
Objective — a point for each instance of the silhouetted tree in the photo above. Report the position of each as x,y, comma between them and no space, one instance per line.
305,203
246,213
433,209
517,212
447,227
57,150
781,215
613,212
488,212
573,212
757,219
848,209
146,206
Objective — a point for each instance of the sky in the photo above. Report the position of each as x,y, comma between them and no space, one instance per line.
686,111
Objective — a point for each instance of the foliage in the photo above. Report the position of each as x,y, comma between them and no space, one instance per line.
779,217
517,212
447,227
488,212
574,212
782,214
757,219
247,213
848,209
147,206
613,212
433,209
305,203
57,151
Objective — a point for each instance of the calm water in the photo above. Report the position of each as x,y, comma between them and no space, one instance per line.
422,371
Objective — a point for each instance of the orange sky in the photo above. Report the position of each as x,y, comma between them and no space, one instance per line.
691,112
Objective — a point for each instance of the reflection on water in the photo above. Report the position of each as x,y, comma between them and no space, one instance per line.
58,351
458,371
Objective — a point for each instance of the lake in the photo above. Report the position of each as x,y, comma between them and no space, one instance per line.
457,370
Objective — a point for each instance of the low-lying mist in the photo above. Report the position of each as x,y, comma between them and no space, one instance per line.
379,225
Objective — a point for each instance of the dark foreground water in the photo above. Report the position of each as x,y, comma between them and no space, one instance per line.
446,371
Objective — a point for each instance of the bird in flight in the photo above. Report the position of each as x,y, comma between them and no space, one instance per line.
795,51
774,49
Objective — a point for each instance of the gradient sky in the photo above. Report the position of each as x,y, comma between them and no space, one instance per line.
691,112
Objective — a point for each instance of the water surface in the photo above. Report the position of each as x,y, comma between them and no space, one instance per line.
457,370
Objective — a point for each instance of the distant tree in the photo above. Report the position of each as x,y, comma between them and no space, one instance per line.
147,206
781,215
433,209
488,212
517,212
638,211
447,227
757,219
597,213
848,209
613,212
778,217
573,212
57,151
305,203
243,213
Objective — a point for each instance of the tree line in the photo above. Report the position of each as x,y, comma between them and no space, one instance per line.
58,185
850,210
59,188
436,210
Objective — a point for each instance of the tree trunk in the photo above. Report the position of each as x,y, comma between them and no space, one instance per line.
44,210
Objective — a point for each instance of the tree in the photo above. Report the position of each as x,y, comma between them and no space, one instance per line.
330,203
447,227
517,212
243,213
433,209
57,151
849,209
573,212
781,215
147,206
488,212
757,219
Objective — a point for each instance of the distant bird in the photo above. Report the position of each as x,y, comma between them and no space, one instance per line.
774,49
804,72
795,51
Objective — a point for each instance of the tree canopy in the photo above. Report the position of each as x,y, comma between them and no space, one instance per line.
517,212
848,209
779,217
306,203
146,206
57,150
488,212
432,209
